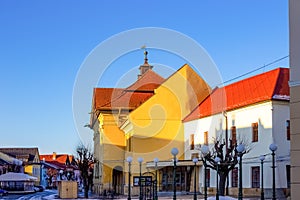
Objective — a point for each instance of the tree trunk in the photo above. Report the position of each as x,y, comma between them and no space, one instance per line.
227,184
222,184
86,187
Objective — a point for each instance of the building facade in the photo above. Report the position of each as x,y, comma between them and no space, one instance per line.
30,159
143,120
254,111
294,31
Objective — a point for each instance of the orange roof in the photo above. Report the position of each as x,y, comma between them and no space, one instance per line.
271,85
148,81
130,97
61,158
103,96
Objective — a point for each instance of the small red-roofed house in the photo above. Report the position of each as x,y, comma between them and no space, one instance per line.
254,111
59,167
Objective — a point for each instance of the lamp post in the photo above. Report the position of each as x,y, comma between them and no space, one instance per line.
205,151
174,152
140,160
262,158
129,160
155,191
273,148
195,160
217,161
240,149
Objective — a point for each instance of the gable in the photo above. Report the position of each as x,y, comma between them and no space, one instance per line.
172,101
272,85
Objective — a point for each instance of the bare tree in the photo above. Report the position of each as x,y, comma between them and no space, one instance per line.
84,160
228,155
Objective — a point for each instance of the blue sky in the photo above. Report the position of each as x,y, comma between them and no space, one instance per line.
43,44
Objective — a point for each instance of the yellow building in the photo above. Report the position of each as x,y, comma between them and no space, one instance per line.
144,120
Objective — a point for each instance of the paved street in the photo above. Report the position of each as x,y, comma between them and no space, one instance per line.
52,194
47,194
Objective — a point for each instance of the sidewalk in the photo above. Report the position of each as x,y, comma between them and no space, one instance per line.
178,197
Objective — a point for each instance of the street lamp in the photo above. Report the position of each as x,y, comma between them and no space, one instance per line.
155,191
273,148
205,151
262,158
174,152
129,160
195,160
217,161
140,160
240,149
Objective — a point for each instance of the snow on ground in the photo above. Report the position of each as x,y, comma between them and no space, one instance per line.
222,198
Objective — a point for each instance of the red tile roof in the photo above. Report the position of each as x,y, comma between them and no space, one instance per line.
61,158
148,81
102,96
130,97
271,85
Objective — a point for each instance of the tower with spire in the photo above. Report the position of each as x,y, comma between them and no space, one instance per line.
144,67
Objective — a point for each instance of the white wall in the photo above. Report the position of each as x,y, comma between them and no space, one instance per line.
271,128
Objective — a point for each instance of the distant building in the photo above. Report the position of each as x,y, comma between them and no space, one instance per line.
10,164
254,111
17,182
29,157
59,167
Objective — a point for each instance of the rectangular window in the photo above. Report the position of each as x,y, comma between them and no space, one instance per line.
192,141
194,155
96,170
233,135
207,178
129,144
254,132
288,134
234,177
206,137
288,175
255,177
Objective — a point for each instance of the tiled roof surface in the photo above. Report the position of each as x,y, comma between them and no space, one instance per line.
130,97
61,158
271,85
129,100
103,96
148,81
59,165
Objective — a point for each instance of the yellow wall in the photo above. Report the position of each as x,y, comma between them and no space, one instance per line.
33,170
154,128
112,144
28,169
157,123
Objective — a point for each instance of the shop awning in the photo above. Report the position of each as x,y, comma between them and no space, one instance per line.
11,176
171,164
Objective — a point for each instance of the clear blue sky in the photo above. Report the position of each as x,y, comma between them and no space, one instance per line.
44,43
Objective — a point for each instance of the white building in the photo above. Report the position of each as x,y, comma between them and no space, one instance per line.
254,111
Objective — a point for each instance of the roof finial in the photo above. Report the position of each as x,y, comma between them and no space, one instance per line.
145,54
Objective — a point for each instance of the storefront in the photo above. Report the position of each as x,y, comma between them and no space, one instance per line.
17,182
183,175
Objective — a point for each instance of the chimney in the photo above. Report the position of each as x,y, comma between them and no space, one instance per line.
145,67
54,156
